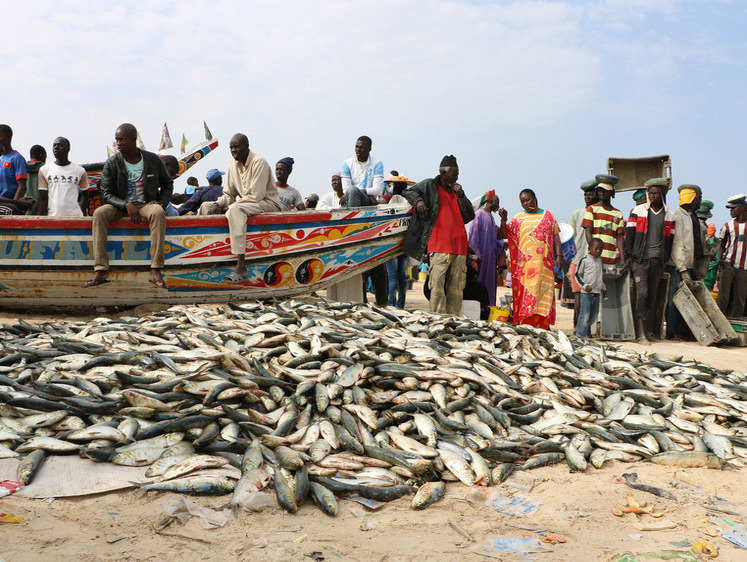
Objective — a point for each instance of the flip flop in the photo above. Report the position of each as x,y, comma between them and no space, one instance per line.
159,284
94,282
234,277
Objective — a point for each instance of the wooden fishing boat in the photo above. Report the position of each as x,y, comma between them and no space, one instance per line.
45,261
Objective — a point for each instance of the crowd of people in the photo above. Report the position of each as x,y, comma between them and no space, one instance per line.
654,240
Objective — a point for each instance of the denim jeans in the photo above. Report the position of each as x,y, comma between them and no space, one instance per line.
587,314
357,198
395,270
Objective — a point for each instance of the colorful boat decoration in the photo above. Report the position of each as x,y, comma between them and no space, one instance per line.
94,170
45,261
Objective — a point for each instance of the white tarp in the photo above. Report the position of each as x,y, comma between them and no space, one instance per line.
70,475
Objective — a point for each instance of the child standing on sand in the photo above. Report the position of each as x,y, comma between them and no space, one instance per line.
589,277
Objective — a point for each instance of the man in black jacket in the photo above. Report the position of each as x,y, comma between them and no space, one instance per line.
441,209
136,184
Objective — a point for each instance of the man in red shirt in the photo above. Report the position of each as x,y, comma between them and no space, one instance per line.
437,228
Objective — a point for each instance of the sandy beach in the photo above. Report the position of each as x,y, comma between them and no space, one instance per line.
123,525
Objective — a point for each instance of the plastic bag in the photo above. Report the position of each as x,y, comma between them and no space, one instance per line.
182,509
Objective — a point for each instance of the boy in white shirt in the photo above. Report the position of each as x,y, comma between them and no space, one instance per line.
60,182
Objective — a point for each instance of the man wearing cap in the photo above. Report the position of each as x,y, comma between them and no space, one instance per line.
687,249
362,175
290,197
732,283
648,244
589,188
204,195
603,221
437,228
249,190
311,201
709,242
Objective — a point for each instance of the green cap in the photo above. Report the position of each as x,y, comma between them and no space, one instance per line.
639,195
704,211
588,185
606,181
657,181
692,186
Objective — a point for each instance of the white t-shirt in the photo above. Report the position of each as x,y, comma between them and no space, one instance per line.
63,184
328,201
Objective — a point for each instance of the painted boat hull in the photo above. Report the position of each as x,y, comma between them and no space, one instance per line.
45,261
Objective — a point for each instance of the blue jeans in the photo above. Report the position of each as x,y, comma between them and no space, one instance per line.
587,314
395,270
357,198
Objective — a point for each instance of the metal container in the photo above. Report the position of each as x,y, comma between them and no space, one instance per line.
707,323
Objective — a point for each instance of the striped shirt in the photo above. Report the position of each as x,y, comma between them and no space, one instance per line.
607,226
734,234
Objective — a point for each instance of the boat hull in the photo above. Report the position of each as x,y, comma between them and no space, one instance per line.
45,261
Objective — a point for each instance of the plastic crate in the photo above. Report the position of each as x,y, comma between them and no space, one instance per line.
740,327
707,323
616,313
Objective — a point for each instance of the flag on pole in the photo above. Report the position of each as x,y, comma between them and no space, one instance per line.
140,143
165,139
208,134
109,152
184,144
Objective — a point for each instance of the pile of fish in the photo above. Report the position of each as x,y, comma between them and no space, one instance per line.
326,399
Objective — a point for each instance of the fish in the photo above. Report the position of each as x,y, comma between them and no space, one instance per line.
194,485
688,459
325,399
29,466
323,498
428,494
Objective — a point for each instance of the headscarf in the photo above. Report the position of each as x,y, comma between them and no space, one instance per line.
288,161
687,196
486,197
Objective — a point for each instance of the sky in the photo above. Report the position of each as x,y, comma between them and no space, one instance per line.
524,93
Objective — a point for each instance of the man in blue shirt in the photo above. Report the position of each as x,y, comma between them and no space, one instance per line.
12,168
213,190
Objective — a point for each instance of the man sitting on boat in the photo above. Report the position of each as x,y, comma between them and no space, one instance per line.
290,197
362,176
332,199
10,206
136,184
62,183
249,190
207,194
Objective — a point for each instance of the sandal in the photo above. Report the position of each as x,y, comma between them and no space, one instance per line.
95,281
234,277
